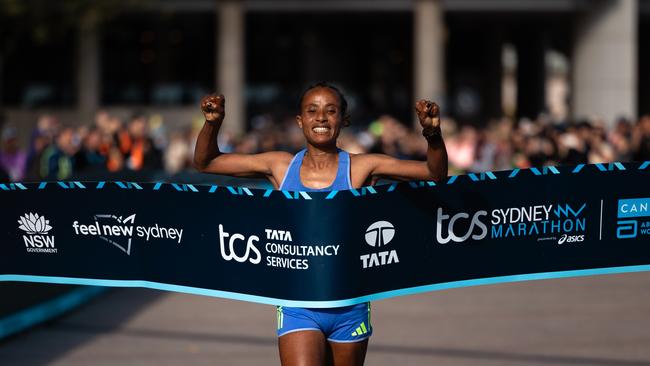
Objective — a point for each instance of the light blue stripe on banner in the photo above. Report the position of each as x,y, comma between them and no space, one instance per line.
334,303
634,207
47,310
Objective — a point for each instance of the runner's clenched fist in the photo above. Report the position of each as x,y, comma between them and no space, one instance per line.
428,113
213,108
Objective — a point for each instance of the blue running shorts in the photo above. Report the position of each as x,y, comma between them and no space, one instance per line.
346,324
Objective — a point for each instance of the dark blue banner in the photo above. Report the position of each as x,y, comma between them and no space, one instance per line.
335,248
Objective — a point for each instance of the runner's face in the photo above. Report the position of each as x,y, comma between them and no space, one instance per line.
320,116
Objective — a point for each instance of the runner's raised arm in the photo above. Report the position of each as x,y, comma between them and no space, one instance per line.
370,167
207,148
209,159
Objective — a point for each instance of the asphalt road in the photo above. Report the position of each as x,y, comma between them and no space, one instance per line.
601,320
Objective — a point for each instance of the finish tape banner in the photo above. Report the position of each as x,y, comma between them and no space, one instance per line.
334,248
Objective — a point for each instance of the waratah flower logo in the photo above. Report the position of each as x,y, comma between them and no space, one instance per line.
34,224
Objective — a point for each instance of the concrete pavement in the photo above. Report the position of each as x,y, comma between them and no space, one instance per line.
601,320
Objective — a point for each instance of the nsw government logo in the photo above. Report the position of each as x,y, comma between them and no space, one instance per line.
378,235
37,238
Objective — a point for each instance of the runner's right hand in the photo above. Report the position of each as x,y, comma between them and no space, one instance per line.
213,108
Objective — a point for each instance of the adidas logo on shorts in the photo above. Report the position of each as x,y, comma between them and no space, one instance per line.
361,330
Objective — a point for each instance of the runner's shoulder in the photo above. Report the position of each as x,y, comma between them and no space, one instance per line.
283,155
277,157
368,159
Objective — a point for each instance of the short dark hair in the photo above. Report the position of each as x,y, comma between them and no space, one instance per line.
325,84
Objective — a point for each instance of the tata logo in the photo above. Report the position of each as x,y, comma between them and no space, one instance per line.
244,245
445,230
379,234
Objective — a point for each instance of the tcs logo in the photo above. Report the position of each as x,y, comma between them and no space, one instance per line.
441,219
252,254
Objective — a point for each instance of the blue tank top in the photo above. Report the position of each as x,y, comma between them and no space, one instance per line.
292,182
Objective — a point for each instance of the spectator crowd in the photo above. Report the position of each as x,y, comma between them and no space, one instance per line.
142,148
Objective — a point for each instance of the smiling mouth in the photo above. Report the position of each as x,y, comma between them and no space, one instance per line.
320,130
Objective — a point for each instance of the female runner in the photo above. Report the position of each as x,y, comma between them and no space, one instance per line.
321,336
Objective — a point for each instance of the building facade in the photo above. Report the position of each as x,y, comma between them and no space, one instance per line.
480,59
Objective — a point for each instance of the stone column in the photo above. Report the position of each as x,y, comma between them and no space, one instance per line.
531,73
605,61
88,72
230,62
429,48
492,93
